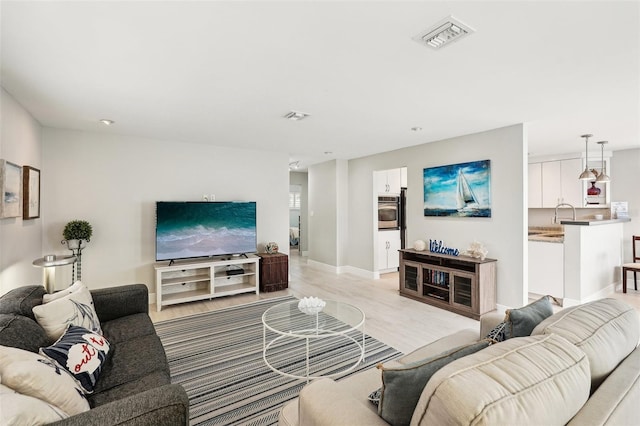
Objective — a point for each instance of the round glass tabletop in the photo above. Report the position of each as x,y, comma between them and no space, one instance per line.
335,318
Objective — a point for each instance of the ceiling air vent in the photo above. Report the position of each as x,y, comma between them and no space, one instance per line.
445,32
296,115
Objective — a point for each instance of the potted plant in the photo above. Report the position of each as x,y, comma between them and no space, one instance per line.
77,233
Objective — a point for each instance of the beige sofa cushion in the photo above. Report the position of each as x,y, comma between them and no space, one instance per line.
359,385
607,330
525,381
616,400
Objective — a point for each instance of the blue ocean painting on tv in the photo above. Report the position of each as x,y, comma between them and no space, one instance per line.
458,190
200,229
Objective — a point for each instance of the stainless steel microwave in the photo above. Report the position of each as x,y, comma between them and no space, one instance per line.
388,212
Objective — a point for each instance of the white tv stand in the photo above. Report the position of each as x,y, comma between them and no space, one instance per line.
188,281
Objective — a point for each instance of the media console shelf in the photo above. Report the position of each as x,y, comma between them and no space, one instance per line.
461,284
205,279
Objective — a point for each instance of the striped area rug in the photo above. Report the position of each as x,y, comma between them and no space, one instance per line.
217,358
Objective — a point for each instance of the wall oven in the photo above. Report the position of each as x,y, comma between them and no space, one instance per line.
388,212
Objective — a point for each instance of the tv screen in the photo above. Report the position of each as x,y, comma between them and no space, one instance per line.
201,229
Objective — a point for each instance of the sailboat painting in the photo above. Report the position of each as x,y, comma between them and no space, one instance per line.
459,190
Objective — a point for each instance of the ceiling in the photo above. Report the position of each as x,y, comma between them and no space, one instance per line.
225,72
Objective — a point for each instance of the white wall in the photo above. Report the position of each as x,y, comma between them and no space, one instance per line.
504,234
301,179
323,211
20,240
113,182
342,202
625,178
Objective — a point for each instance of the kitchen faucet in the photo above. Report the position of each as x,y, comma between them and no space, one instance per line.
555,216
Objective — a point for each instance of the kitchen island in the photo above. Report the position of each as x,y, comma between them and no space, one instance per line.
576,262
593,253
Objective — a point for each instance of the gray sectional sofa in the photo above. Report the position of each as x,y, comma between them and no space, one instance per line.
134,387
579,366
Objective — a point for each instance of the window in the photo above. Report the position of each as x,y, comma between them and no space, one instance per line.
294,200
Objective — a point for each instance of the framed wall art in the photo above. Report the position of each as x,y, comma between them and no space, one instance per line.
30,192
458,190
11,186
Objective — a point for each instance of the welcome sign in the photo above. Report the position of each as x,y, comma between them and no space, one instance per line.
439,247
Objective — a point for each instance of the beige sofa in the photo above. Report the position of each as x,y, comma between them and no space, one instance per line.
580,366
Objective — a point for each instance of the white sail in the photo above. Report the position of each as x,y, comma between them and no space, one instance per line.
465,198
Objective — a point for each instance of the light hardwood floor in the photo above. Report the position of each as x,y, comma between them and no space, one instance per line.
399,322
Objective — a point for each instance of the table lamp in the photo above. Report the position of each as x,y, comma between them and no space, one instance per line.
49,263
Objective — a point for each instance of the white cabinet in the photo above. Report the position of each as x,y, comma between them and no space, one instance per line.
535,185
198,280
388,246
560,182
388,181
571,185
556,181
546,268
551,186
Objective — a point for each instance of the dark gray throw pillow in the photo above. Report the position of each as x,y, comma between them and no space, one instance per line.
402,386
521,322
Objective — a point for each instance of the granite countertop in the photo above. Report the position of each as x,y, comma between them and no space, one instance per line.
546,234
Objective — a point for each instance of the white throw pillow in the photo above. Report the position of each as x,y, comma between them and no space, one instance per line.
34,375
18,409
62,293
75,308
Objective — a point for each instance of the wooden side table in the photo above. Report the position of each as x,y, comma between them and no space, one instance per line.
274,271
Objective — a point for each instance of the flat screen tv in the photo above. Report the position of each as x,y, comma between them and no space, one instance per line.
201,229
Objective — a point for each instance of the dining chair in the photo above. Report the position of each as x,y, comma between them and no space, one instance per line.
632,267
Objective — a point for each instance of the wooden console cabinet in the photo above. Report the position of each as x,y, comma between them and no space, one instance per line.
274,271
461,284
205,279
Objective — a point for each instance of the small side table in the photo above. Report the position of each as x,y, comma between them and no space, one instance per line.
49,263
274,271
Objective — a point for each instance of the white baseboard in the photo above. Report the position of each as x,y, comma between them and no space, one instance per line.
361,272
501,309
600,294
341,269
611,288
322,266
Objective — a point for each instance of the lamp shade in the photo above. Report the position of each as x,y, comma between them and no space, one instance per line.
586,174
602,177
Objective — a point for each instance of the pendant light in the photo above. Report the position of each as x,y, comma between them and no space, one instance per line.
587,174
602,177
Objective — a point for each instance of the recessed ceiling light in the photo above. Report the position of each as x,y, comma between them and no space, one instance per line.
107,122
443,33
416,129
296,115
328,152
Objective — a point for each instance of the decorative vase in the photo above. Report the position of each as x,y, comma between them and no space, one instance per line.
419,245
594,190
271,247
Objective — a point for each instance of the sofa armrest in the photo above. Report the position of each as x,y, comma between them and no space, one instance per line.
117,302
615,402
324,402
164,405
488,322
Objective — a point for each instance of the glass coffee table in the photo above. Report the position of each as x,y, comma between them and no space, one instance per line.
309,346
